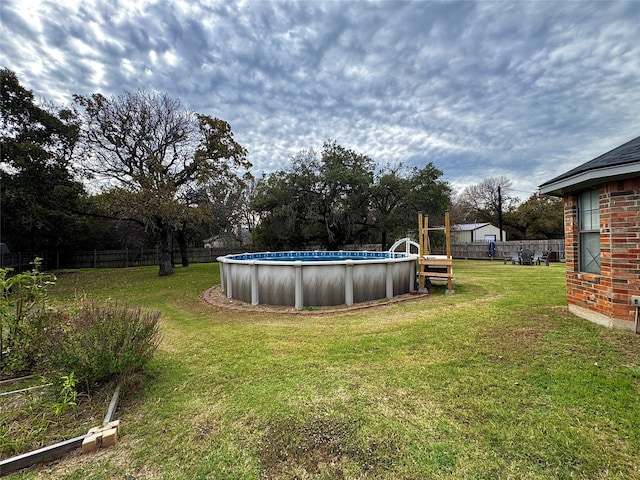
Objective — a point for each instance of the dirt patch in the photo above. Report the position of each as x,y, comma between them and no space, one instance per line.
322,447
214,296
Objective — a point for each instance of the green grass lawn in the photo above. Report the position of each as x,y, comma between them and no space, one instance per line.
496,381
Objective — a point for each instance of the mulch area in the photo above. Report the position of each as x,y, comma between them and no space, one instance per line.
214,296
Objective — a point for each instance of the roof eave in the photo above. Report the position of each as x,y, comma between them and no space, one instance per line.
472,227
590,178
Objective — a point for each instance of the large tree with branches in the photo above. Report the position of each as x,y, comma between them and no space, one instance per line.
486,201
39,197
320,199
149,153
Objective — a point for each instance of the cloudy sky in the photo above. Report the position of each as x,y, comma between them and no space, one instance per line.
525,89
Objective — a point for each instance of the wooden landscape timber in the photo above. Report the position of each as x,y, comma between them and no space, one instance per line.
104,436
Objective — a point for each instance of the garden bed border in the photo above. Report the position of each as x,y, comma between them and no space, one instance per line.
57,450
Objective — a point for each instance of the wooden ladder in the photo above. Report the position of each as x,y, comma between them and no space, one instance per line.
440,268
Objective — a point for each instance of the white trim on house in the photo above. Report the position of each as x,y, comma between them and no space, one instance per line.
589,178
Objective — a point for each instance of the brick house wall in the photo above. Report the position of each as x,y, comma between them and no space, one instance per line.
606,298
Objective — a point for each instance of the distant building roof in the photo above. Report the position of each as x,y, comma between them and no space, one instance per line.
465,227
621,162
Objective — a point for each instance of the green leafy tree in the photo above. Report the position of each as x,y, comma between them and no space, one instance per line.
540,217
287,204
229,202
320,200
149,153
389,195
345,180
400,193
40,200
335,199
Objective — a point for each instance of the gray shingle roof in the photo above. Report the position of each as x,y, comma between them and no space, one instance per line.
619,162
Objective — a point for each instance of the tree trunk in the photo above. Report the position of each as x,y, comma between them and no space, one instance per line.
166,250
182,243
383,241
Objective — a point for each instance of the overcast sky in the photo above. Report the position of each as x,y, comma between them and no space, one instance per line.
525,89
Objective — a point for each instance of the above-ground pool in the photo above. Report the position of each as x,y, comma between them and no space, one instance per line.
302,279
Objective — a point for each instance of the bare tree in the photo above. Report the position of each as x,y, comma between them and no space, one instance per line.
485,201
148,153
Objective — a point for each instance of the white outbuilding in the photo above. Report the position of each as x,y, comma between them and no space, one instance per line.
476,232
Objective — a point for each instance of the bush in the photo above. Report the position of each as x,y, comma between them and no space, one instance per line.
23,314
95,343
101,342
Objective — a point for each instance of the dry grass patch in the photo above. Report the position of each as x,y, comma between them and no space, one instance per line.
505,342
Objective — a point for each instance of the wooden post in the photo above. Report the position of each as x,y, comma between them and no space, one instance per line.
447,232
421,251
420,226
425,237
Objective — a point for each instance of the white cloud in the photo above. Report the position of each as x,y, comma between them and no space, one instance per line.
524,89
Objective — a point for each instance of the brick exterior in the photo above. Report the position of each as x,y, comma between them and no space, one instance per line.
606,298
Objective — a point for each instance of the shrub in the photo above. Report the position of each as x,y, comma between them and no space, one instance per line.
67,395
101,342
23,314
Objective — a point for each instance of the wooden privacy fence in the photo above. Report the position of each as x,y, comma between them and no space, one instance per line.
149,256
139,257
109,258
480,250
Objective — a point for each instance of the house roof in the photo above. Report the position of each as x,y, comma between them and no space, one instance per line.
621,162
466,227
